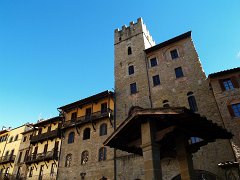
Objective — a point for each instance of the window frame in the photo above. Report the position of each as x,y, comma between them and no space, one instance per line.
179,72
174,54
102,154
86,133
103,129
133,88
71,137
156,80
153,62
130,70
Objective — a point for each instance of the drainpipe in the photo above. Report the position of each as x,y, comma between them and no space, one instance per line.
114,127
149,90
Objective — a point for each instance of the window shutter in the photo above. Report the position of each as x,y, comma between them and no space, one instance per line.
221,84
235,82
230,110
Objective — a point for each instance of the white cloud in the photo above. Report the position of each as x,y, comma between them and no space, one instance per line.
238,55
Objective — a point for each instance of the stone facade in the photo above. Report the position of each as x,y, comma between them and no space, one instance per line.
177,91
226,96
76,146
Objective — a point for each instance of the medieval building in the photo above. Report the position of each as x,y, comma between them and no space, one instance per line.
165,81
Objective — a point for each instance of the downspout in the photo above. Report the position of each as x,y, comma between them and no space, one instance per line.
149,90
114,127
222,120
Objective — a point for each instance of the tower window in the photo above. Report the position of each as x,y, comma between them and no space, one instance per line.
129,50
156,80
133,88
178,72
192,102
153,62
131,70
174,54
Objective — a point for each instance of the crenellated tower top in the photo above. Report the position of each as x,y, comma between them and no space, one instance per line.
132,30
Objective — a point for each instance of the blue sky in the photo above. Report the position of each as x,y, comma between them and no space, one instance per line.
54,52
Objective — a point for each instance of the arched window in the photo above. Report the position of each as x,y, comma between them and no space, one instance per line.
102,154
166,103
16,138
192,102
129,50
68,160
86,134
84,157
103,129
71,137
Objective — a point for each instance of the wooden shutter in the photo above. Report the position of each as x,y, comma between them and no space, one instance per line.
221,84
235,82
230,110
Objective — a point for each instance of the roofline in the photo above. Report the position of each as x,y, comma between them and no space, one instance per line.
221,73
168,42
54,119
87,100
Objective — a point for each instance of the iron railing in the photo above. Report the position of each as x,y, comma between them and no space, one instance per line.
87,118
50,155
45,136
7,159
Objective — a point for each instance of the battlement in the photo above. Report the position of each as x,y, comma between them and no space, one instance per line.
132,30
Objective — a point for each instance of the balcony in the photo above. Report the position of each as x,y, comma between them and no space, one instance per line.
89,118
45,136
50,155
7,159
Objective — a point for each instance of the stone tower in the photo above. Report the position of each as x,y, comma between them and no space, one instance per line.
130,67
162,75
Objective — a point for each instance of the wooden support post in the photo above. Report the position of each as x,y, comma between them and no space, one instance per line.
184,158
151,152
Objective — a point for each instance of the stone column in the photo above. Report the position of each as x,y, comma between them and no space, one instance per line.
184,158
151,152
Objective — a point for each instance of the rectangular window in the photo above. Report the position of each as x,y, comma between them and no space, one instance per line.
52,169
88,113
26,155
236,109
49,128
178,72
153,62
227,83
156,80
103,108
19,157
131,70
74,116
133,88
24,138
174,54
45,148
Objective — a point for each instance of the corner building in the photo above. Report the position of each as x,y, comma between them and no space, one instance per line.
163,75
87,123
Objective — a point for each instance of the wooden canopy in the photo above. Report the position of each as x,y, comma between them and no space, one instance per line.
169,123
